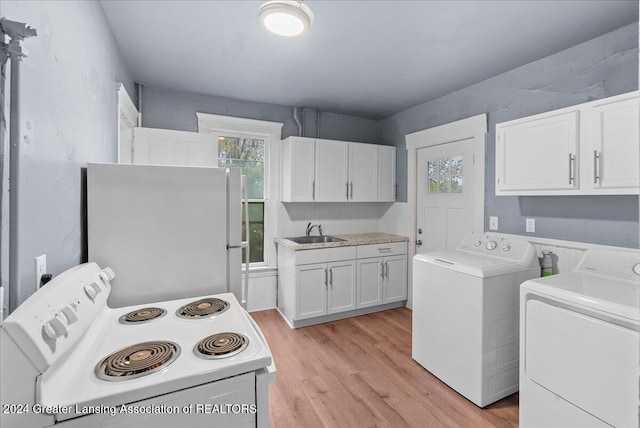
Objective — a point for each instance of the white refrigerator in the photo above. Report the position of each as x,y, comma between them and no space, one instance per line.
168,232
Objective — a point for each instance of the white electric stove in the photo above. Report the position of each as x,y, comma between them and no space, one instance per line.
68,359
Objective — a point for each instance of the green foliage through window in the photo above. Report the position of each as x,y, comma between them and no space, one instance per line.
248,155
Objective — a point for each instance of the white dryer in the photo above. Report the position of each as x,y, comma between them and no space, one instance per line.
465,314
579,344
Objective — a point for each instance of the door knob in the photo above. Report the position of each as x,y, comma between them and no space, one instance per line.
419,242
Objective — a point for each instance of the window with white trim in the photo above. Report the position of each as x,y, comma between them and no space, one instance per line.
244,143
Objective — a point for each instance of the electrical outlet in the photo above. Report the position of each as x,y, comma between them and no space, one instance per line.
531,225
41,268
493,223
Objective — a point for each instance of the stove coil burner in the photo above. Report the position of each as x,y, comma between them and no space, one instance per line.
142,315
203,308
137,360
221,345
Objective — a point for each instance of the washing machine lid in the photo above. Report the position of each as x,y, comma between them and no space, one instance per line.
613,296
480,266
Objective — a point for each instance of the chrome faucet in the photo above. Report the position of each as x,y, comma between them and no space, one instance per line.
310,228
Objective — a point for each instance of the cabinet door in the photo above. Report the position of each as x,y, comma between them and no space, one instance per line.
167,147
342,286
616,150
298,166
369,292
311,290
386,173
363,172
537,153
395,284
332,160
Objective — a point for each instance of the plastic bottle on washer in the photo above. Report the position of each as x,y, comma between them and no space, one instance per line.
546,263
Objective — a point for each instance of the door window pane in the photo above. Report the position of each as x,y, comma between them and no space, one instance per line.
445,175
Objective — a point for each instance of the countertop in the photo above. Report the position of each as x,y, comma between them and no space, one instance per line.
349,240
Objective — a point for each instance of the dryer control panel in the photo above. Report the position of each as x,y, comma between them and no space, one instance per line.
623,264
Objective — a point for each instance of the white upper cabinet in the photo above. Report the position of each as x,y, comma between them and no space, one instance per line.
298,169
363,172
152,146
336,171
616,143
387,187
538,153
587,149
332,163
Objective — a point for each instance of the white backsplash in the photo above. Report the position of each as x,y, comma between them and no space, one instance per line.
336,218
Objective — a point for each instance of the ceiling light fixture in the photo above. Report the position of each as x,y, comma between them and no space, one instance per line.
285,18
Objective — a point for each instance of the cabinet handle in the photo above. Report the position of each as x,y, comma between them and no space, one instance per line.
347,183
331,277
382,269
596,167
325,277
386,264
313,189
351,189
572,160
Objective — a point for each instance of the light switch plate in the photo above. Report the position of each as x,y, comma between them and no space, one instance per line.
493,223
531,225
41,269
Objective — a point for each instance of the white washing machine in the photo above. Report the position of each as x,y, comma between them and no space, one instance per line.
579,344
465,314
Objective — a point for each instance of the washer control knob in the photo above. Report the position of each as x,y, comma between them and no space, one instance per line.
636,268
491,245
506,247
48,331
68,314
477,243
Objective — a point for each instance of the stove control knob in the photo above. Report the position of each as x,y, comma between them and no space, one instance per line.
491,245
506,247
477,243
91,291
67,313
55,328
107,274
636,268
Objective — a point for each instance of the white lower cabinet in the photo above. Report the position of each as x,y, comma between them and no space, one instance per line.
325,288
316,284
382,280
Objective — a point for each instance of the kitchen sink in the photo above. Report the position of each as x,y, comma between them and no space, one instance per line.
314,239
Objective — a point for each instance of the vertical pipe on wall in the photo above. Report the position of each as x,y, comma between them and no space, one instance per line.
295,117
14,183
139,99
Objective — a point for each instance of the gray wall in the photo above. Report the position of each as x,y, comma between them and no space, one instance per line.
68,118
602,67
172,109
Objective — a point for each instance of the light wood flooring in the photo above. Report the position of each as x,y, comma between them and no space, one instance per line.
358,372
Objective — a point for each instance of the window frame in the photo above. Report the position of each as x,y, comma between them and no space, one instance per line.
271,133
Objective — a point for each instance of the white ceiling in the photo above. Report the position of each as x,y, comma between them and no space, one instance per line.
368,58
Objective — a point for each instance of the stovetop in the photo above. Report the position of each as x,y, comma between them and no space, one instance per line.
73,380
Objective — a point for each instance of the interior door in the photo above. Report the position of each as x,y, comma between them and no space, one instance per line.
445,195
